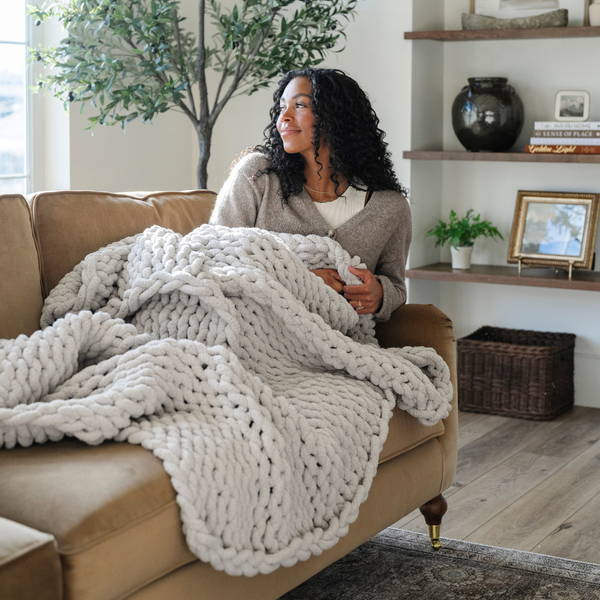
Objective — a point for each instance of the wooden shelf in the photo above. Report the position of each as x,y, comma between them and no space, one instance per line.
503,34
534,277
499,156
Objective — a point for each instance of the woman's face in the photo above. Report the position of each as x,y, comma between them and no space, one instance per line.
296,121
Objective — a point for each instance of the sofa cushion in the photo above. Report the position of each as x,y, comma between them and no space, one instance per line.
29,564
113,505
110,507
20,287
69,225
405,433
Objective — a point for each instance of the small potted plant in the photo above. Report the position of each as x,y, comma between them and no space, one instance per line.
462,233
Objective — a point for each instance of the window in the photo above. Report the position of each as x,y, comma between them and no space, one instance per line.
14,102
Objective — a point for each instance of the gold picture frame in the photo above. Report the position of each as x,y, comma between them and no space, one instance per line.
554,229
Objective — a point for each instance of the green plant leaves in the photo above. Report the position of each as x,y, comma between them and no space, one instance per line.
274,36
462,232
120,56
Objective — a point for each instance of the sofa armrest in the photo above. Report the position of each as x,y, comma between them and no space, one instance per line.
29,564
426,325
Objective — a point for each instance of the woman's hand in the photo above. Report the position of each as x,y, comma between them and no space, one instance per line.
331,277
366,298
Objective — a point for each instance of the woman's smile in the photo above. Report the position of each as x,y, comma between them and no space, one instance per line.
288,131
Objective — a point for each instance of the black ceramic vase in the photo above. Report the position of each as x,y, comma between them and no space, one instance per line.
487,115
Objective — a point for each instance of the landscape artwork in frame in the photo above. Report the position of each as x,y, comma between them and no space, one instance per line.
572,105
515,9
554,229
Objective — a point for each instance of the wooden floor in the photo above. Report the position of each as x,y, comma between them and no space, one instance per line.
526,485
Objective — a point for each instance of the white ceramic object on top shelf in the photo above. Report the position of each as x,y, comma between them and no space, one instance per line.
594,13
461,257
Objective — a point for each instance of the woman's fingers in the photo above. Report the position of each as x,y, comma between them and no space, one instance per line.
364,274
364,307
331,277
366,298
368,295
363,302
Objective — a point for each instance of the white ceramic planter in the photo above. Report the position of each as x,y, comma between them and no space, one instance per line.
461,257
595,13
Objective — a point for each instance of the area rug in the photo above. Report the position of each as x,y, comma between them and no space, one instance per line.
399,565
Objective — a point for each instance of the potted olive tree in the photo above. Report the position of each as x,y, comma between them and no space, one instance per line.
135,59
462,233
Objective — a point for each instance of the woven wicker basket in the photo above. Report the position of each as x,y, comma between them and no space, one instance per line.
516,373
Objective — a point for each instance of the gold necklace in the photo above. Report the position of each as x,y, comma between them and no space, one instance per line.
318,192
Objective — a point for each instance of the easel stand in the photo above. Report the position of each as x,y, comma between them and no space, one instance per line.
556,269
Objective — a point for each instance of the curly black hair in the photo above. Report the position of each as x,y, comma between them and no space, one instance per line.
346,121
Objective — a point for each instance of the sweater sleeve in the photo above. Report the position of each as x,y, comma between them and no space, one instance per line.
238,200
391,267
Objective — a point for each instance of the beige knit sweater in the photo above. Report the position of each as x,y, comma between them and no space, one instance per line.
379,234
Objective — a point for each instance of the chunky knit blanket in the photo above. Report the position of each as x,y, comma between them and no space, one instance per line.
264,394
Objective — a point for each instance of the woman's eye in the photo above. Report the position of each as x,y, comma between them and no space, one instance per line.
282,107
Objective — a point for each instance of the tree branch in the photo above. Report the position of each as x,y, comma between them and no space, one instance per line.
201,66
239,74
223,78
189,113
182,69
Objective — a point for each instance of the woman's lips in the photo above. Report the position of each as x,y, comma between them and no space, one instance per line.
290,131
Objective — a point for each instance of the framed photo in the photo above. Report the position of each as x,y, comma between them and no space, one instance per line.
515,9
554,229
572,105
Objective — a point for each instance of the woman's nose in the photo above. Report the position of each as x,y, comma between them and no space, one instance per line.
284,116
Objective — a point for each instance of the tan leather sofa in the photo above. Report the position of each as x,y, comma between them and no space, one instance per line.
101,523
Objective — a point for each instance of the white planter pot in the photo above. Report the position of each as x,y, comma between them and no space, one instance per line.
461,257
595,13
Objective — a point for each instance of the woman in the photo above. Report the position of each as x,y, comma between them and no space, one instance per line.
324,169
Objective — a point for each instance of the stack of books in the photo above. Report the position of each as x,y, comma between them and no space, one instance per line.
565,137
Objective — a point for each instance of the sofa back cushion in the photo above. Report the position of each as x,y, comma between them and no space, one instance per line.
69,225
20,287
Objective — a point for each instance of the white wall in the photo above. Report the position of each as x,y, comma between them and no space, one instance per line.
145,157
50,143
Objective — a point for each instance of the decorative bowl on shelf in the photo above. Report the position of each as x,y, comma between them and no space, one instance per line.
556,18
487,115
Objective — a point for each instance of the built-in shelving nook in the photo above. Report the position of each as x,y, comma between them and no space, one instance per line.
443,177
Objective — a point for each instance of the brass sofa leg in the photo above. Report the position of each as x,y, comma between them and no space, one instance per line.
433,511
